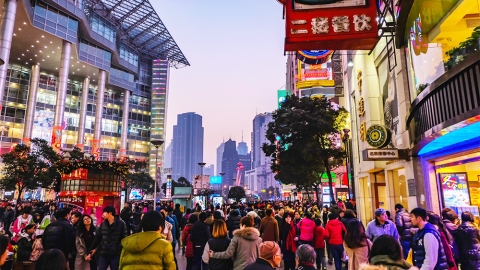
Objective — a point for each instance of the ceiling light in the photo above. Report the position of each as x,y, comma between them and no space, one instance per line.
40,51
27,50
350,63
32,46
20,29
93,73
78,69
45,47
83,66
26,63
73,72
56,68
53,52
37,42
51,42
24,23
72,65
14,34
43,60
23,54
58,48
43,36
30,59
19,58
48,55
71,57
35,55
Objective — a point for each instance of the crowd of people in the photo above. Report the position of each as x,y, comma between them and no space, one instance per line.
266,235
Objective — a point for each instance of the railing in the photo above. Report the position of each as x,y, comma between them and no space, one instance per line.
452,98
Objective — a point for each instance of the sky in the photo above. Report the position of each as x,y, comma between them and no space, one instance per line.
237,64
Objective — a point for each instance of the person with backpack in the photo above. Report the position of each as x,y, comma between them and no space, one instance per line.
404,225
233,222
60,234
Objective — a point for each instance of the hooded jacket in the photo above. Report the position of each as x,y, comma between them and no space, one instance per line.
146,250
243,248
334,232
383,262
469,245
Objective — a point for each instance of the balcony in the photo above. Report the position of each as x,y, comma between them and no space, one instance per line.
452,98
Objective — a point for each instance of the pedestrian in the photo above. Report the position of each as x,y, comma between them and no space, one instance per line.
334,232
25,243
319,245
380,226
187,242
356,244
324,215
341,205
306,257
83,240
200,234
107,241
256,219
279,218
296,219
428,252
21,222
306,229
269,257
167,212
450,219
126,214
288,244
60,234
244,247
178,213
8,219
3,249
269,230
386,253
404,228
93,215
445,238
147,249
218,243
51,259
233,222
468,242
348,216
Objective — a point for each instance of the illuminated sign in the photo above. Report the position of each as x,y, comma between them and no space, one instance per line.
455,189
281,95
330,25
215,180
314,57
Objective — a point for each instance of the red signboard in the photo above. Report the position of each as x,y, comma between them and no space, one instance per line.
333,27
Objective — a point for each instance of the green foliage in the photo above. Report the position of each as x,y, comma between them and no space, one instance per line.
236,193
466,47
303,140
30,167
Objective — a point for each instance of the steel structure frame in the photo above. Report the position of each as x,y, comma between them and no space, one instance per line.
141,27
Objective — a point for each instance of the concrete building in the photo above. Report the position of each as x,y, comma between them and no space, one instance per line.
219,158
258,138
187,149
69,64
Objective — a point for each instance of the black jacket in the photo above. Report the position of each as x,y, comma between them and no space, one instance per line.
468,242
219,245
259,264
126,214
59,234
233,222
178,214
280,224
109,237
200,234
8,216
25,248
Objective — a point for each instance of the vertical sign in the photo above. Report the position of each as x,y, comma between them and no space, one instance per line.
281,94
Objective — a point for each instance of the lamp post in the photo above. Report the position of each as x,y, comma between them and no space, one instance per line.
157,144
202,164
345,138
223,189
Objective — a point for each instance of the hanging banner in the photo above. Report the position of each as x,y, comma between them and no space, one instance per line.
57,138
330,25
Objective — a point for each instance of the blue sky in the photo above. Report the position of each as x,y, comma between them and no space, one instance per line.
235,49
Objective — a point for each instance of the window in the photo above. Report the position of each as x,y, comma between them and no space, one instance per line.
128,55
51,20
103,27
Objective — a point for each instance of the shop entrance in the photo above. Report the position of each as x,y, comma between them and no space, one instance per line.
380,190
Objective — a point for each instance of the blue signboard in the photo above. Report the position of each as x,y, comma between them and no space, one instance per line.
215,180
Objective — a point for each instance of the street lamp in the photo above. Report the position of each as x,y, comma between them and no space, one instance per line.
202,164
223,189
157,144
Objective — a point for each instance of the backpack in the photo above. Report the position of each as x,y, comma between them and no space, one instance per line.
37,249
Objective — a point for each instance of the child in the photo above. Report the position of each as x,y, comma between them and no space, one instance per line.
319,244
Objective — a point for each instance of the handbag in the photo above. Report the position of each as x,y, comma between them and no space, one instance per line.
37,249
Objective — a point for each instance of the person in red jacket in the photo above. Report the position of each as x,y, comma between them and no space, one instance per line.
187,242
306,229
319,245
334,232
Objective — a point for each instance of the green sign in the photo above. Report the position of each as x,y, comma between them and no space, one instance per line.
281,94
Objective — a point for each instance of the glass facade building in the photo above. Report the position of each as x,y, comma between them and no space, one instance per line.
59,78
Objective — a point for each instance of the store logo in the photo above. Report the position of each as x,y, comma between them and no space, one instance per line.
378,136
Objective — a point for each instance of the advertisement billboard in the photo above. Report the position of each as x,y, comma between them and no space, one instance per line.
330,25
215,180
281,95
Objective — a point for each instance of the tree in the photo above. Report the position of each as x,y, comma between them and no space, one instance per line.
236,193
30,167
304,140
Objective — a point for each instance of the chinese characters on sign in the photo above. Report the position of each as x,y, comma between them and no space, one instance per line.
361,107
363,131
455,189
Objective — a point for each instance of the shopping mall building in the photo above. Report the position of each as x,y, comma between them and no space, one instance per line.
69,63
414,103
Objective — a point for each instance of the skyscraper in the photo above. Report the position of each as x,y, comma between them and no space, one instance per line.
167,161
242,148
258,137
219,158
229,162
187,149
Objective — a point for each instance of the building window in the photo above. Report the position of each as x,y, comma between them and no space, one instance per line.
55,22
103,27
128,55
95,55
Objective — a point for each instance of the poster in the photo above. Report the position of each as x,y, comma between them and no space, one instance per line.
390,102
455,189
217,201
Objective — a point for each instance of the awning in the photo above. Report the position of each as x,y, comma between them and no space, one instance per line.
181,196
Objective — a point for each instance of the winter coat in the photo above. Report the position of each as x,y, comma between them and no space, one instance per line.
24,247
233,222
448,251
280,222
306,228
178,214
383,262
146,250
259,264
200,234
108,238
468,241
82,252
8,216
403,221
269,229
60,235
334,232
288,245
19,224
418,248
357,256
347,220
244,248
319,237
187,242
217,245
